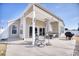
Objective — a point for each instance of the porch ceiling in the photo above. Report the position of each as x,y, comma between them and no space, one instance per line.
41,15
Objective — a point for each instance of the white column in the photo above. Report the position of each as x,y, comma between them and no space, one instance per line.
49,26
24,28
46,26
33,25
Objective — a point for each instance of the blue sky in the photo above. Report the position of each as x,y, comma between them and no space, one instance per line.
68,12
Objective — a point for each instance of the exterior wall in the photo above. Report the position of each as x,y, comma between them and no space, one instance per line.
28,22
54,27
38,24
58,27
21,28
16,23
19,25
61,28
41,24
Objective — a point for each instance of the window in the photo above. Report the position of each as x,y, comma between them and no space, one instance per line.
43,31
14,29
40,31
30,31
35,30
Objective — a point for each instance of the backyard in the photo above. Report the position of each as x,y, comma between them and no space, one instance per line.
57,48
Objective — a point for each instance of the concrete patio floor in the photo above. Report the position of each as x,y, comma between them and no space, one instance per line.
57,48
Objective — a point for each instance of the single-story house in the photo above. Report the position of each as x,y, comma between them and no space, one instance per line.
35,20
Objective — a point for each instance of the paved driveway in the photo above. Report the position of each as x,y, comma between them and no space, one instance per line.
57,48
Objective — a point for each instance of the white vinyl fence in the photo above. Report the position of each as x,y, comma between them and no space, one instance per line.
4,34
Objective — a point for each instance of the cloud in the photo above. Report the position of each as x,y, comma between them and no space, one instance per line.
76,18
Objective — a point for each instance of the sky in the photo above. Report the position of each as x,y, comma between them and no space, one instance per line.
69,13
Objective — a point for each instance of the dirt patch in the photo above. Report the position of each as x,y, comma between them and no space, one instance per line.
76,38
76,50
3,48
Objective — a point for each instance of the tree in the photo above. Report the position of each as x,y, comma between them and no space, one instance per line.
78,26
78,29
66,28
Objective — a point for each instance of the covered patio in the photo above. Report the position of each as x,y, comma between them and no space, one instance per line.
36,18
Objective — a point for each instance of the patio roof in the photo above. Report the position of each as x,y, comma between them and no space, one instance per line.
30,8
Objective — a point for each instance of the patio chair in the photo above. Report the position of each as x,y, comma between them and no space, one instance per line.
39,42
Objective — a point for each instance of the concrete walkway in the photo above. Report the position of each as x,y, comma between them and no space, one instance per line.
57,48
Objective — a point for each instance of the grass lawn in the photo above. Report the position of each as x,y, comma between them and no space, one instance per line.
3,49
